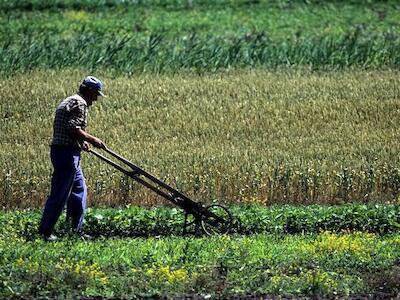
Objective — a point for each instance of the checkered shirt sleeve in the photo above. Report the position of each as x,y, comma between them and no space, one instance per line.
70,114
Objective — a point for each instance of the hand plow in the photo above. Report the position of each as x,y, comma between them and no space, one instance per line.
212,219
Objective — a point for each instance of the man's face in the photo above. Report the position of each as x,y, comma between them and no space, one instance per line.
91,97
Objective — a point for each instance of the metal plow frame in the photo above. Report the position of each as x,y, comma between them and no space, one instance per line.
212,219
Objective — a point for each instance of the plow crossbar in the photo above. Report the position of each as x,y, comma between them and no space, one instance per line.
152,182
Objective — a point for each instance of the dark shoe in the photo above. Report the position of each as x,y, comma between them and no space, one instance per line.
50,238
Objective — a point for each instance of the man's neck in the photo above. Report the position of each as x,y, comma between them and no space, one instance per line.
83,97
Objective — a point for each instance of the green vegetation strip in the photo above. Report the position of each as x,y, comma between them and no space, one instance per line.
253,137
279,19
136,221
313,264
168,37
154,54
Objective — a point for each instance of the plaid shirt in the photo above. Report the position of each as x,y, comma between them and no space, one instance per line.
70,114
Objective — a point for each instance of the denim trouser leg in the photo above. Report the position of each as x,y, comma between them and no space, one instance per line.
67,177
76,203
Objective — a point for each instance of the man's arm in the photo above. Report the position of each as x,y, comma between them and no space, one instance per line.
77,121
82,135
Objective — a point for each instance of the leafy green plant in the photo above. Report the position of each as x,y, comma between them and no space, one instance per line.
254,219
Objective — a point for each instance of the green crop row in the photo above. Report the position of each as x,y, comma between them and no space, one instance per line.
315,265
135,221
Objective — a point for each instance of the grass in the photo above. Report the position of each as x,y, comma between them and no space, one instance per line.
156,54
245,136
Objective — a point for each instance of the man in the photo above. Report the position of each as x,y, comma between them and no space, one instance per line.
69,138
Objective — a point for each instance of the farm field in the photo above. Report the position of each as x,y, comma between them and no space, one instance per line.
318,264
284,111
245,136
324,251
340,261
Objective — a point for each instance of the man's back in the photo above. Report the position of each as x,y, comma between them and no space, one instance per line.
71,113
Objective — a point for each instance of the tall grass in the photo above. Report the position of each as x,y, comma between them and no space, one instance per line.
156,54
160,37
256,136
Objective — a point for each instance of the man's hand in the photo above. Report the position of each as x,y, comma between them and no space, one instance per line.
96,142
85,146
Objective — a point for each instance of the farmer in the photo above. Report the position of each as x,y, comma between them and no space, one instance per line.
69,138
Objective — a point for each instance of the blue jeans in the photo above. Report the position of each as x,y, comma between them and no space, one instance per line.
67,187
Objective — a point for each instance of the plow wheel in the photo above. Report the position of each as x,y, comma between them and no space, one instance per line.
216,220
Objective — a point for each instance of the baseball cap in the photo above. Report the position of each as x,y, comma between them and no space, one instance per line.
94,84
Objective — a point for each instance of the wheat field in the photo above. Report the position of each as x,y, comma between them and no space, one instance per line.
238,136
